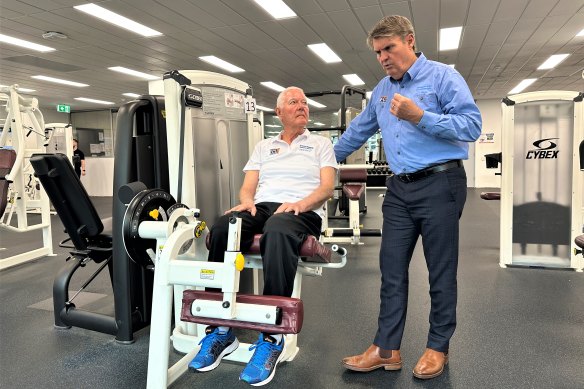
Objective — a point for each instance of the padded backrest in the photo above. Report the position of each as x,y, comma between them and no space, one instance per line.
68,196
353,175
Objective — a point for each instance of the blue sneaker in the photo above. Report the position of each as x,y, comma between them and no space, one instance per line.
262,366
215,346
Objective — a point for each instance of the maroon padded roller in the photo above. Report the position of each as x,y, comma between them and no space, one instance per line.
7,159
579,240
292,312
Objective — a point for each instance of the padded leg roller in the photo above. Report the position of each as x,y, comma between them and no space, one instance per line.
291,312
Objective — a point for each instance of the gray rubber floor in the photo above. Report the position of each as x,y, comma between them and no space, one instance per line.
517,327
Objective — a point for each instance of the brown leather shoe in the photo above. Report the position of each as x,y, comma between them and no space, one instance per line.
431,364
371,360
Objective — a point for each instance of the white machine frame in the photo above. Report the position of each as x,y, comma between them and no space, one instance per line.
191,270
508,112
20,203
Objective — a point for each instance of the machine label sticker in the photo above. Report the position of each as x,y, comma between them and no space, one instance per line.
207,274
544,149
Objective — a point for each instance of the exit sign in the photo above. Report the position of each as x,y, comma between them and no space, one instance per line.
63,108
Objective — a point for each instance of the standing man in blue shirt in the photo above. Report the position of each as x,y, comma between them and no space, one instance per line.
427,117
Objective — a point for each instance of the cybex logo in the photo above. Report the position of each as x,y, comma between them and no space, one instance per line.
544,149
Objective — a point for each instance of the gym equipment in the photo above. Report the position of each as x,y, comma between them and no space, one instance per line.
541,194
140,154
20,195
353,183
181,260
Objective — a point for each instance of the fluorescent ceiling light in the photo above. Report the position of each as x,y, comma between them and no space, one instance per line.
118,20
273,86
315,103
94,101
60,81
221,64
22,43
522,85
277,8
324,52
134,95
450,38
134,73
272,125
452,66
553,61
318,124
264,108
368,95
353,79
25,90
581,33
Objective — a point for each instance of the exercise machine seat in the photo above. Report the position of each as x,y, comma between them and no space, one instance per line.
491,195
579,241
73,205
353,182
311,250
7,159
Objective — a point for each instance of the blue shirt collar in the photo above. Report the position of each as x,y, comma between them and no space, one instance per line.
413,71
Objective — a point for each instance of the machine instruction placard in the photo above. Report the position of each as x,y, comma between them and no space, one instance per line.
222,103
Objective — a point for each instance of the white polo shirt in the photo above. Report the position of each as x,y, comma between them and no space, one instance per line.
289,173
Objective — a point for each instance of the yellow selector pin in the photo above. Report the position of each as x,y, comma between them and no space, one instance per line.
239,262
154,214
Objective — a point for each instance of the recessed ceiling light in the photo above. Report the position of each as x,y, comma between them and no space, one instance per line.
118,20
368,95
581,33
450,38
134,95
315,103
22,43
553,61
134,73
324,52
94,101
264,108
273,86
60,81
221,64
522,85
353,79
277,8
453,66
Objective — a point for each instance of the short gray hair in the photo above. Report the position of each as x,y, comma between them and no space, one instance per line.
280,100
390,26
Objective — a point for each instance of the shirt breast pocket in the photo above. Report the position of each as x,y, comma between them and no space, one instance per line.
428,101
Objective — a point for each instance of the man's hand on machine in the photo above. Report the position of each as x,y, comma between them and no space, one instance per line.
296,207
250,207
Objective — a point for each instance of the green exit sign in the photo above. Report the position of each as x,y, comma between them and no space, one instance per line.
63,108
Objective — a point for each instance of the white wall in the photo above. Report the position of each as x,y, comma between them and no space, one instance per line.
489,142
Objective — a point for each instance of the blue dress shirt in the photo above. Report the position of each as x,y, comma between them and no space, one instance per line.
451,119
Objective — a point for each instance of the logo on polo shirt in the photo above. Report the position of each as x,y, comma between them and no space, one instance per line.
274,151
305,148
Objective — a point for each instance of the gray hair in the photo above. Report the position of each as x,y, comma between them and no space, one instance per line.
390,26
280,101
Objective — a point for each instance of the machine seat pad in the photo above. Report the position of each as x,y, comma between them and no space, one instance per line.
311,250
353,190
491,195
579,241
352,175
292,311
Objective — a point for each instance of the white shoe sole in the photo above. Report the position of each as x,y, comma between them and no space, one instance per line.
228,350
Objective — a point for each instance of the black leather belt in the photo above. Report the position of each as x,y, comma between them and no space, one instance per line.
411,177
